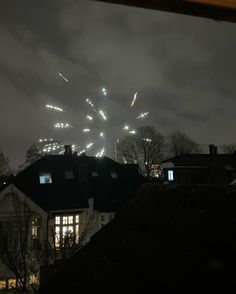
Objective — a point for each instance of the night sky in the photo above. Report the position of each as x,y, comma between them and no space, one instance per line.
183,67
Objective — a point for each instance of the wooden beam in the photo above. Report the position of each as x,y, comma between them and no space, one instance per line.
215,9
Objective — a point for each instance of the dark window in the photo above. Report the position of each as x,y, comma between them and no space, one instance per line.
114,175
94,174
69,175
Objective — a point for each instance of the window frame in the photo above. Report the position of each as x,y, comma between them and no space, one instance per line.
44,174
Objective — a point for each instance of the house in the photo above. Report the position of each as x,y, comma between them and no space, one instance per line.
64,197
210,169
168,239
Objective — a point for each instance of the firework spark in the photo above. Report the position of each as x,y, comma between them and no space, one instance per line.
64,78
62,125
86,130
142,115
134,99
126,127
104,91
101,152
102,114
54,107
147,139
89,117
132,132
90,102
125,161
89,145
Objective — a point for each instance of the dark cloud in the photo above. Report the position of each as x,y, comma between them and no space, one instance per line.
183,68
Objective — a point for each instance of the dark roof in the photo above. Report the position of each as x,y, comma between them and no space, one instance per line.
108,193
203,160
167,240
217,9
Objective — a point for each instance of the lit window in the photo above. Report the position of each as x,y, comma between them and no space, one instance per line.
57,220
65,220
34,229
114,175
67,230
3,284
70,219
77,233
11,283
77,218
94,174
45,178
170,175
69,174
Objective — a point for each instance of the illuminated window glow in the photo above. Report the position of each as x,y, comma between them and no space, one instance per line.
170,175
66,226
45,178
34,229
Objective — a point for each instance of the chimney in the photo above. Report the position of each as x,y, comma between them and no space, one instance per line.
213,149
68,150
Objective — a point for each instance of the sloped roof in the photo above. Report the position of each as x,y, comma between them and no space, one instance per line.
167,240
204,160
62,194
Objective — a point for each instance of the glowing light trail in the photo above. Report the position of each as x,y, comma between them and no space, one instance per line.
54,107
89,145
64,78
62,125
134,99
89,117
142,115
103,115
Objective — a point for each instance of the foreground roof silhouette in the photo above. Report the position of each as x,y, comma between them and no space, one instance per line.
168,239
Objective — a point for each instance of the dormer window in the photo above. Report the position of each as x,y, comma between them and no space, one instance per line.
69,175
114,175
45,178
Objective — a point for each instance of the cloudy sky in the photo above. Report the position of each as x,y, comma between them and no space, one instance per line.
183,67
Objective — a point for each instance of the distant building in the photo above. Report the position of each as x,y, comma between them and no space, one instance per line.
65,195
191,169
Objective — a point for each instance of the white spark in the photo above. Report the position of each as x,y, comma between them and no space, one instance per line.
132,132
101,134
142,115
101,152
147,139
89,145
86,130
124,160
54,107
61,75
103,115
89,117
126,127
90,102
82,151
134,99
62,125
